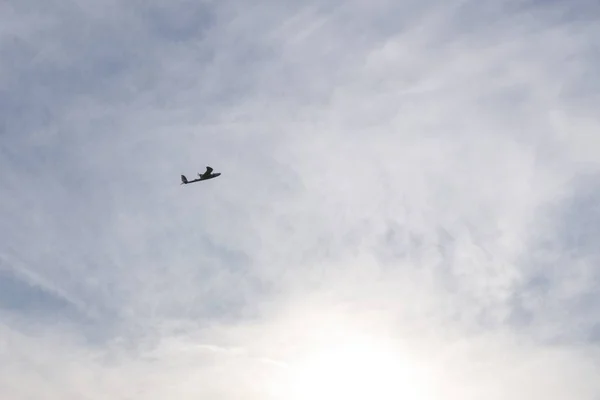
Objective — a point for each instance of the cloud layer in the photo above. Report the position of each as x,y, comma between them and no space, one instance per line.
407,200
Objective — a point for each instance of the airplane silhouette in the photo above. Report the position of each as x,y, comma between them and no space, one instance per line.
208,174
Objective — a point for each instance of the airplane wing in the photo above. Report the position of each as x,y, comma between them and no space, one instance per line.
209,171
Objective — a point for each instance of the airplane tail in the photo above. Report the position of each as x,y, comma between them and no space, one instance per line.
183,180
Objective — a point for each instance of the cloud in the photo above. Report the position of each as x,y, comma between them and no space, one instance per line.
405,187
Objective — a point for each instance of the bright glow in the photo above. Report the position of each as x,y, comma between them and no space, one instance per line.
357,368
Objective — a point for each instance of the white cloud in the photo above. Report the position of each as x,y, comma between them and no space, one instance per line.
398,187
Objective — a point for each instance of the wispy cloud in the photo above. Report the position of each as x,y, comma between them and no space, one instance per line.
406,187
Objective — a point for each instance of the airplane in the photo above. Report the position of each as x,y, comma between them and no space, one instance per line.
208,174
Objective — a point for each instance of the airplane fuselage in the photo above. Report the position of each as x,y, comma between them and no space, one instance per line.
202,178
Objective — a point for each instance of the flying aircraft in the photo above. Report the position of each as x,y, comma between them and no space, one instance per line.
208,174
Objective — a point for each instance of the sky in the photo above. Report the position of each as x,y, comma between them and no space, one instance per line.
408,206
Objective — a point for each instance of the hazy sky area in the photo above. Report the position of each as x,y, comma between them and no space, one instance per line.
409,205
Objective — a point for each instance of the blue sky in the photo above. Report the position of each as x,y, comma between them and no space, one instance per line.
408,205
